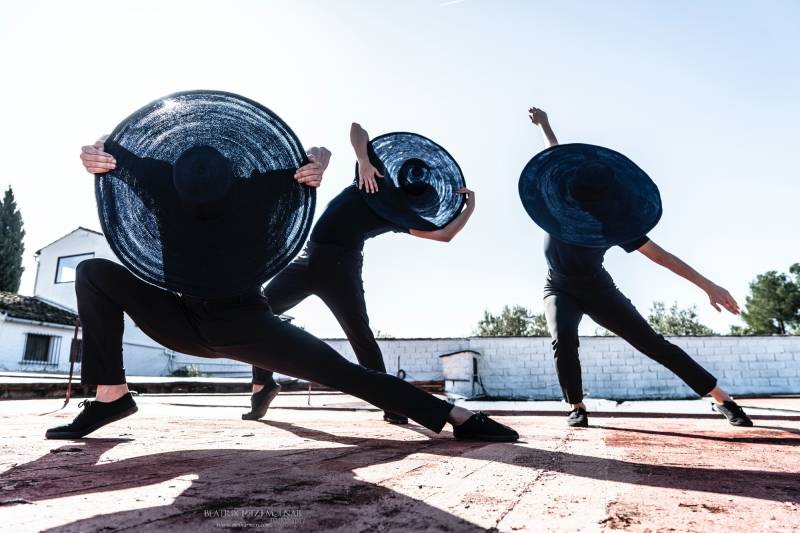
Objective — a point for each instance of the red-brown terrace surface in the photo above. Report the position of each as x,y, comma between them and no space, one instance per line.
190,463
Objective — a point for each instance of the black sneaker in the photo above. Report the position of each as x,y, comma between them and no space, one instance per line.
735,414
259,401
94,416
395,418
578,418
480,427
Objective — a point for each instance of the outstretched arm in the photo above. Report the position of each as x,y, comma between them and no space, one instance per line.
717,295
539,118
367,172
447,233
101,157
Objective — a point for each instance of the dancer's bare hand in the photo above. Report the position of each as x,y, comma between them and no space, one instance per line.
311,174
537,116
469,197
718,296
95,160
319,154
366,176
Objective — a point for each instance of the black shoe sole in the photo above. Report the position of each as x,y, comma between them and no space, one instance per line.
256,415
579,424
747,424
488,438
66,435
396,421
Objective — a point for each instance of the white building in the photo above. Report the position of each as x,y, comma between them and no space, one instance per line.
22,342
36,332
34,336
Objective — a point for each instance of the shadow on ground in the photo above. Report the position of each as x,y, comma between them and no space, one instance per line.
321,485
773,440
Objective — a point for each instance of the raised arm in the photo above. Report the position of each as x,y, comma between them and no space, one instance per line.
367,172
447,233
539,118
717,295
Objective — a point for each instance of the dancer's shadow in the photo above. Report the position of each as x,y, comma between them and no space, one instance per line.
765,485
774,440
319,481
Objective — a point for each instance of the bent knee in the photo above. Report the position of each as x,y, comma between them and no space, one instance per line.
91,269
565,344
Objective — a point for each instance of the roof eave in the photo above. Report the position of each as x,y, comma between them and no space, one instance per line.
11,318
39,251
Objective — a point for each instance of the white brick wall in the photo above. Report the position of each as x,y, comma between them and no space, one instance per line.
522,367
418,357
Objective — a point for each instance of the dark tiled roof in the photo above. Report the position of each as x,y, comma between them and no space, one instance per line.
31,308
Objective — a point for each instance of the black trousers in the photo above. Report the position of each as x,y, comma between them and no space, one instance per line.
567,299
334,275
242,328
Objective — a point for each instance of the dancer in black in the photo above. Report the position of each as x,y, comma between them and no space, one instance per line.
202,192
577,283
330,268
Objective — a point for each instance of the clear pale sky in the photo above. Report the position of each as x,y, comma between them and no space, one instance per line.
703,95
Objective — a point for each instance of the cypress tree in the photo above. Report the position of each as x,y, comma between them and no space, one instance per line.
11,245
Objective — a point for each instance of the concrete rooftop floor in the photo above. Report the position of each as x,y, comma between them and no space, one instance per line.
188,462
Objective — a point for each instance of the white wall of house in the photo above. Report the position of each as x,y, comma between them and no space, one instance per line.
13,336
140,360
79,243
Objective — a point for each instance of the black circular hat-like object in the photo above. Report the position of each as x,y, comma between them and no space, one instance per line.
588,195
203,200
419,188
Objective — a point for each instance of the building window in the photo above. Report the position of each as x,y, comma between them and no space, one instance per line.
41,349
65,269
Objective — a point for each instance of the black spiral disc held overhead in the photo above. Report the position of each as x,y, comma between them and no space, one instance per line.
589,195
202,200
419,189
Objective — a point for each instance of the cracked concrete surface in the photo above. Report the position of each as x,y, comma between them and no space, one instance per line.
189,463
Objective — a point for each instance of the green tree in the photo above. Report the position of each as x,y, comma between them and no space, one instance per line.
186,371
603,332
676,321
514,321
773,306
11,245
